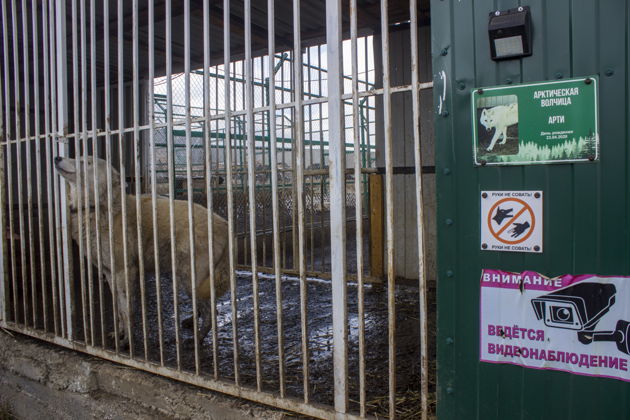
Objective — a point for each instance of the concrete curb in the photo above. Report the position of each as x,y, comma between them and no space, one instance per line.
39,380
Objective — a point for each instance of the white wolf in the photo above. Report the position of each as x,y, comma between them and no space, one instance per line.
500,118
115,276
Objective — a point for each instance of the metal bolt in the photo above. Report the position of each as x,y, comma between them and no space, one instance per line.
484,246
508,81
520,8
537,195
444,52
484,195
449,340
559,75
445,113
449,273
446,171
461,86
588,80
536,248
591,158
448,222
609,72
449,390
483,162
480,91
497,13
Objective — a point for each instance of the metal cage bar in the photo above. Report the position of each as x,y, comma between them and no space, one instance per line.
337,161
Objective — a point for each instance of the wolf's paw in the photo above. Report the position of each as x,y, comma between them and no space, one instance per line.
188,322
123,340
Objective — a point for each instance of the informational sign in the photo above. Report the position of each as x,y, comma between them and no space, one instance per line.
546,122
512,221
577,324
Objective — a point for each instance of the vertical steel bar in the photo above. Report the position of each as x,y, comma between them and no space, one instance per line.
29,166
209,189
274,191
38,161
299,160
18,153
189,184
95,180
77,162
9,168
62,127
283,238
251,172
137,163
422,287
87,224
389,210
313,179
84,135
321,156
156,249
230,194
4,272
55,152
337,202
358,202
110,187
123,172
48,123
171,174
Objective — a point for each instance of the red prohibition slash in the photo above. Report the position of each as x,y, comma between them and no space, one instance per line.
526,207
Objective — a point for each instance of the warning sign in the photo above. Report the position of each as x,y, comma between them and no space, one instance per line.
512,221
572,323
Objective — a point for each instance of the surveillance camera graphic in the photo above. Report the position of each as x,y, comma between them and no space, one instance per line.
580,308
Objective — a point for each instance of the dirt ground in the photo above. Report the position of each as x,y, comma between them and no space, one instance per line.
319,333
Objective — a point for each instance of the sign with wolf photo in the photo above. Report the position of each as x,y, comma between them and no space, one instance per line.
578,324
533,123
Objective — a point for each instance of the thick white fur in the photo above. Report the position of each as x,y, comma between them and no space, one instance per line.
115,276
500,118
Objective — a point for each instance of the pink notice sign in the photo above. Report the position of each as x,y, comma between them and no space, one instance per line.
577,324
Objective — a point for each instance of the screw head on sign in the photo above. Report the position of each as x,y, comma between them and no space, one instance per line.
449,273
537,195
588,80
591,158
483,162
536,248
484,246
484,195
480,91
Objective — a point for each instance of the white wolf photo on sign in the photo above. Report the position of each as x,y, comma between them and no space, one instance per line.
497,125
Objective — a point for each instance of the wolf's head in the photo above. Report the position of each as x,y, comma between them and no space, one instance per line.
487,119
92,175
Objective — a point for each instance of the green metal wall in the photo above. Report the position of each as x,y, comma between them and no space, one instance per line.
587,205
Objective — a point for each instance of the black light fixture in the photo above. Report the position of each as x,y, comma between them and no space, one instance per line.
510,33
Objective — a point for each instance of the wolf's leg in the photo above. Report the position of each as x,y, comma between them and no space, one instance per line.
494,140
125,313
504,134
205,312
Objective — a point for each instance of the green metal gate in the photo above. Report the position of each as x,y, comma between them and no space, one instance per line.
586,208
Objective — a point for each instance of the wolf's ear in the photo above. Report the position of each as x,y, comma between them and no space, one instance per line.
484,112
